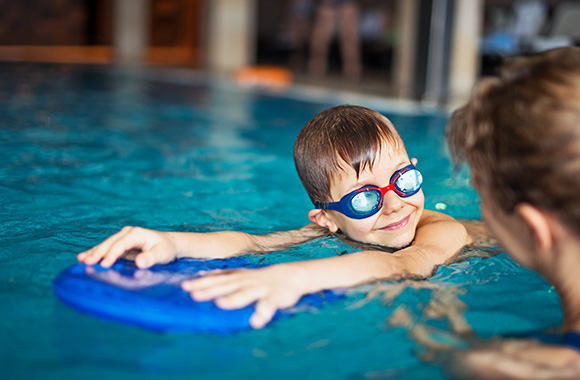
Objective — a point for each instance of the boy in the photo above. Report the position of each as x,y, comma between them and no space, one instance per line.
354,166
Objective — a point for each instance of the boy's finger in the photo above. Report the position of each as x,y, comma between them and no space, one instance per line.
264,313
146,259
156,255
126,242
93,255
241,298
210,293
209,279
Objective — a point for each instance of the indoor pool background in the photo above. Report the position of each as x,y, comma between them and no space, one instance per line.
85,151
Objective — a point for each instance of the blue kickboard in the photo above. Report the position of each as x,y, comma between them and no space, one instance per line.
153,299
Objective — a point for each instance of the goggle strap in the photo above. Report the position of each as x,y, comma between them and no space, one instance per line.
327,205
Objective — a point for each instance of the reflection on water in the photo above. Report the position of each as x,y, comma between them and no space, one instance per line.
140,279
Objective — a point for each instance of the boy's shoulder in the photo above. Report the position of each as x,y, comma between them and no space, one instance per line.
479,234
431,216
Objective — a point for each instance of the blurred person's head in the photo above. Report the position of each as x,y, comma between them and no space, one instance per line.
520,135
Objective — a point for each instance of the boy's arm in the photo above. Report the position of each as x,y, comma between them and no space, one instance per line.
438,238
280,286
161,247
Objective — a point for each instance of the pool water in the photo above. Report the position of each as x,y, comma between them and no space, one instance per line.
87,150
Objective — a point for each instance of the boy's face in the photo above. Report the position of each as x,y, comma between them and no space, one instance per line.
396,222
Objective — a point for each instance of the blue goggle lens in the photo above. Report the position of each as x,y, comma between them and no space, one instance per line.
409,182
365,201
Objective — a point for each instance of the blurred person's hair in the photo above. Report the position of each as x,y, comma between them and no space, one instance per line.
520,134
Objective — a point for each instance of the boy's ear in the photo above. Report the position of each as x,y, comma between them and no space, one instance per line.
540,226
320,217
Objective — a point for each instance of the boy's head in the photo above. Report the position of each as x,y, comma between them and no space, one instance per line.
520,134
345,148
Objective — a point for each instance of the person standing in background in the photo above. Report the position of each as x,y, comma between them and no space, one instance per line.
328,12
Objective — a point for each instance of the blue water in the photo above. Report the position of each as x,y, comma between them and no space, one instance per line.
85,151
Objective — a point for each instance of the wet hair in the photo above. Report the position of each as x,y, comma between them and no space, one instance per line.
351,135
520,134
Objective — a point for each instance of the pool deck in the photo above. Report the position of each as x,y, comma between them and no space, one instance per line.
371,92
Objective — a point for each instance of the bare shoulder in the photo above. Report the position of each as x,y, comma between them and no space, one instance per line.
445,223
440,231
430,216
478,232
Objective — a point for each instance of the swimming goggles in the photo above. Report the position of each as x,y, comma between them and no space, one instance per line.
368,200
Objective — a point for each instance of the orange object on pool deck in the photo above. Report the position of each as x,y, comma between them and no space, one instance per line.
263,76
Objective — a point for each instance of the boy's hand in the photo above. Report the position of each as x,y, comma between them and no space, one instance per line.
156,247
274,287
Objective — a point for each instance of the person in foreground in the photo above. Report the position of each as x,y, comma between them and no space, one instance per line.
354,166
520,134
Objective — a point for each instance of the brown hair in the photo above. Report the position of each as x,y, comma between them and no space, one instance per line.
520,134
343,134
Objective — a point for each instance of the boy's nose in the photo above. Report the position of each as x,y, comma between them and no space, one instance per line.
391,203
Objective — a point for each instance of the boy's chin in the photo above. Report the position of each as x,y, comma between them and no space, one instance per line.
388,246
397,246
383,247
399,243
396,239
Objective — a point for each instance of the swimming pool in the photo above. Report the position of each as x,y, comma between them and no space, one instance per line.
87,150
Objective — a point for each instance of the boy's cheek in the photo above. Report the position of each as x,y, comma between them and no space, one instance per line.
358,230
419,200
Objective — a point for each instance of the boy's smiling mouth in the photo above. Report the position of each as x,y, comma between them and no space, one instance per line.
397,225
